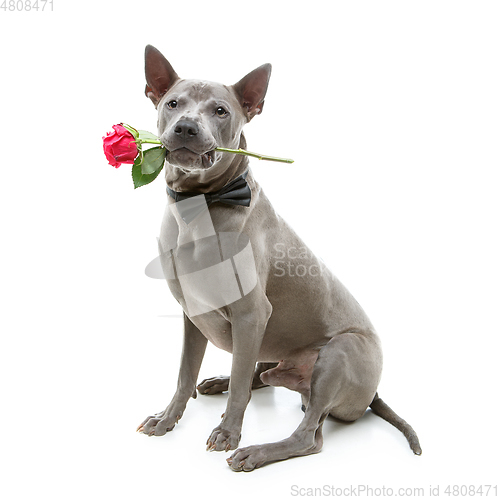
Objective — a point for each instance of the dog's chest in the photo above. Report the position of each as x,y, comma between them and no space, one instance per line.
206,269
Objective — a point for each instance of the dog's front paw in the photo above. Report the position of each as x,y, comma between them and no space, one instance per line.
159,424
223,440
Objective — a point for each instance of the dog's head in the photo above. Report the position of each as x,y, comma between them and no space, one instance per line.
196,116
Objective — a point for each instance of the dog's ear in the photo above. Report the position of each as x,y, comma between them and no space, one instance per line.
251,90
160,75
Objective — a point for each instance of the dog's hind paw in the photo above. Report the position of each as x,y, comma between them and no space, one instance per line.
214,385
246,459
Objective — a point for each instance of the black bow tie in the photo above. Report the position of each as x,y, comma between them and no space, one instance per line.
236,192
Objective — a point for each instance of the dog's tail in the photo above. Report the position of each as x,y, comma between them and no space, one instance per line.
382,410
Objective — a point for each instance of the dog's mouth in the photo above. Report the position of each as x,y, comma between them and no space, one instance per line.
186,159
208,158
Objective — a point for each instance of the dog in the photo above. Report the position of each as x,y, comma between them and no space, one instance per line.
246,281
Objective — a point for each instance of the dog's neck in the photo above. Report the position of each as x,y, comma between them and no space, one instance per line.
206,181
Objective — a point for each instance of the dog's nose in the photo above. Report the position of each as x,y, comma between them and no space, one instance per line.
186,129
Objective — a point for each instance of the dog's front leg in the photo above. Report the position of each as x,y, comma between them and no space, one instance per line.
192,355
247,333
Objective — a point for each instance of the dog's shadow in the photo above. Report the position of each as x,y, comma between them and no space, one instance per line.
279,410
275,412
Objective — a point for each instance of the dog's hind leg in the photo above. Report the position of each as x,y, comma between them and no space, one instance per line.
216,385
343,384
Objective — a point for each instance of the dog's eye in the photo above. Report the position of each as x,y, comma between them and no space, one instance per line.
220,111
172,104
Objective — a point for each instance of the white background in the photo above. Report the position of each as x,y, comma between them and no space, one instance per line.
391,112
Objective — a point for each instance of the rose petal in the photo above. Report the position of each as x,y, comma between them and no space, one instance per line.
119,146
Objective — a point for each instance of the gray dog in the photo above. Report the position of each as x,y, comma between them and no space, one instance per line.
247,282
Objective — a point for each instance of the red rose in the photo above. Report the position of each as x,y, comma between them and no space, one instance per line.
119,146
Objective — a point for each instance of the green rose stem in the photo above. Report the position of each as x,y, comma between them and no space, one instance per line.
236,152
146,137
254,155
